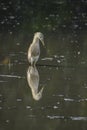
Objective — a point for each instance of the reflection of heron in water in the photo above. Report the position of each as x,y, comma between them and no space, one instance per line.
34,49
33,81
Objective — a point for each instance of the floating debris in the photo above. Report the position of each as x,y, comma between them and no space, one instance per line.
58,61
17,44
10,32
7,121
58,103
0,95
4,8
19,100
55,56
76,41
62,56
12,17
76,26
56,68
28,107
55,107
2,22
42,108
18,23
0,108
78,52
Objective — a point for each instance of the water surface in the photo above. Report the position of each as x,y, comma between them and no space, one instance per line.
62,71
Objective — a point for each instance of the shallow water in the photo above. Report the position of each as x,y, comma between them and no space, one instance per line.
62,70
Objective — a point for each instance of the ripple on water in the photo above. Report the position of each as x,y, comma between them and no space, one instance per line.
32,116
12,107
69,99
55,117
82,100
47,58
11,76
60,95
75,100
78,118
3,81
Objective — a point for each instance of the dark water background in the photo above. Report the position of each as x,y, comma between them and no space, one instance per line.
62,66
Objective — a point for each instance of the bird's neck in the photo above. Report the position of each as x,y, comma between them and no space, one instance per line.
35,40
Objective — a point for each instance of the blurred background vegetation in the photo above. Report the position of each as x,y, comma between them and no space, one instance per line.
46,15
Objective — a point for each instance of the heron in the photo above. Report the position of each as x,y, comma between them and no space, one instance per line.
34,49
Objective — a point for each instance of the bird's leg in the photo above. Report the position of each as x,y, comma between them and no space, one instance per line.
34,64
29,64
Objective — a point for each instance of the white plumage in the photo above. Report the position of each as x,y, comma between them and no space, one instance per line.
34,49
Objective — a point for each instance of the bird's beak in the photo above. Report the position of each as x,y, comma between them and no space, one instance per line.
43,42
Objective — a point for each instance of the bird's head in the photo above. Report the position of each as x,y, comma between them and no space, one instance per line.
40,36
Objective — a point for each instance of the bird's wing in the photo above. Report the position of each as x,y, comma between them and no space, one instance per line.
35,51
